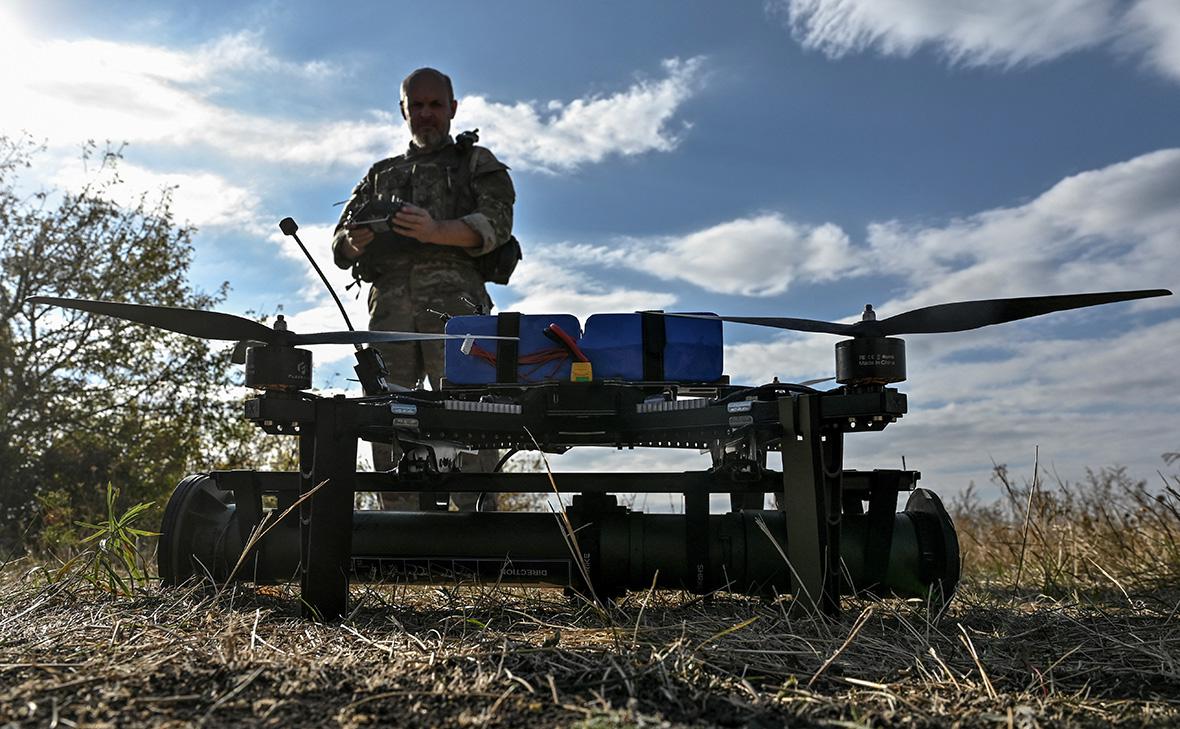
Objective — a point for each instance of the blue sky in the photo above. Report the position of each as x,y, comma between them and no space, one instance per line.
791,157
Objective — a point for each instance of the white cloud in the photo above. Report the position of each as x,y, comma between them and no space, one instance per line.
759,256
203,199
1154,27
988,32
733,257
71,90
563,135
76,90
244,51
1005,32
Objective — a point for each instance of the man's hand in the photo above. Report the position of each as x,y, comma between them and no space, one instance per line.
415,222
355,242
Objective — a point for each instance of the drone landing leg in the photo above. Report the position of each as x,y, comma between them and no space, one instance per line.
247,505
832,458
696,539
325,528
811,492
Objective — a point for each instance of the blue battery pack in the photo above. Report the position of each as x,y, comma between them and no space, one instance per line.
538,358
653,348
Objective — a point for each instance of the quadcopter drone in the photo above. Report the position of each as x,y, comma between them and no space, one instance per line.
546,382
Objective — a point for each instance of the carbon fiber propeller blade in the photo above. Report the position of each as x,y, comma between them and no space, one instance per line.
779,322
215,325
965,315
942,318
194,322
370,337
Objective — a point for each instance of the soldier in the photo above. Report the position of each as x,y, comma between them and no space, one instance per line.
457,205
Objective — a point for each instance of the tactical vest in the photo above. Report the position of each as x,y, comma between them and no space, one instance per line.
440,182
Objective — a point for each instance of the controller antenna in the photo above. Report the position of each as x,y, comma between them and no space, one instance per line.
289,227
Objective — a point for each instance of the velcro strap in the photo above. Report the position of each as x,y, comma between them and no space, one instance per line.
654,339
507,350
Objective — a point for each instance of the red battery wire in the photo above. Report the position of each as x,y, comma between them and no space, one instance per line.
538,359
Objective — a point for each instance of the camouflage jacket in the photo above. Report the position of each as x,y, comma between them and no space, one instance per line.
452,183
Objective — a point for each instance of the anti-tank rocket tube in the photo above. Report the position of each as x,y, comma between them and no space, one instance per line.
626,551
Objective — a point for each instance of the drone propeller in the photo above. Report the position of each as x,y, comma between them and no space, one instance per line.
941,318
966,315
194,322
872,355
215,325
353,337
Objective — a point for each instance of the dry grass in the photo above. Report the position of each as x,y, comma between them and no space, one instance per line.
1107,532
1085,637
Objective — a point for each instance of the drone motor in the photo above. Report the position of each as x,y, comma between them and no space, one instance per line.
870,361
278,367
285,369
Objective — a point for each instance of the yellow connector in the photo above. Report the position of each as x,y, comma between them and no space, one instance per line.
581,372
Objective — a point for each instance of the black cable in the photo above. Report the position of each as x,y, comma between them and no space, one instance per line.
500,464
758,389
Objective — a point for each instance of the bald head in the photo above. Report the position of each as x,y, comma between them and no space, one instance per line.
432,74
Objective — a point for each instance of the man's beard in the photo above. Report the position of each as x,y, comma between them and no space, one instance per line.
428,137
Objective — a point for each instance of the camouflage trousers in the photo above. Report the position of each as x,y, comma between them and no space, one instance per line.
399,300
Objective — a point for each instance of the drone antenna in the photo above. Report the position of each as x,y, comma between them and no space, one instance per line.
289,227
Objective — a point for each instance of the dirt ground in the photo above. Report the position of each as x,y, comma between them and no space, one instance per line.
71,656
